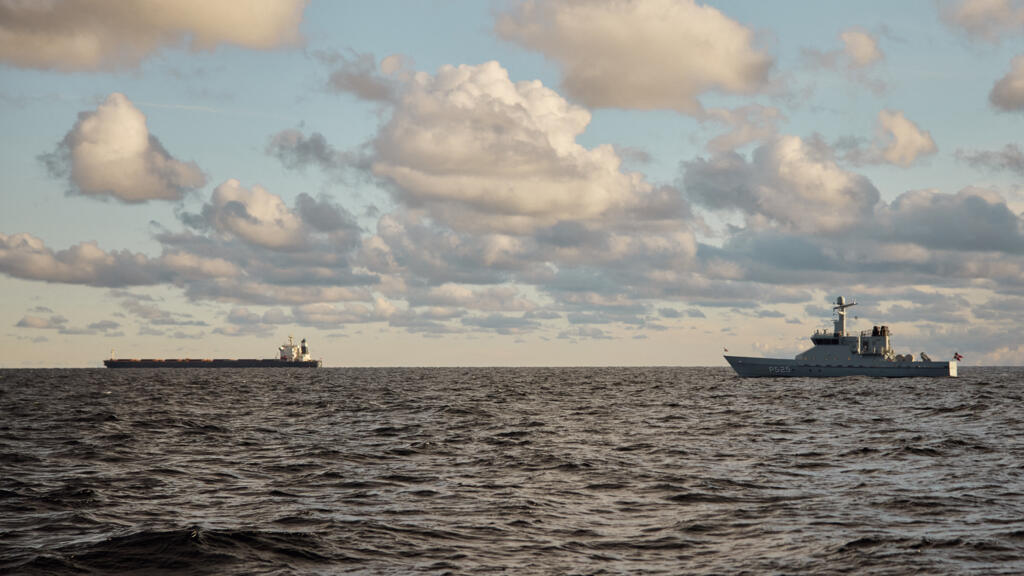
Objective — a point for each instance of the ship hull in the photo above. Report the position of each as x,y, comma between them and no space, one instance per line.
211,363
749,367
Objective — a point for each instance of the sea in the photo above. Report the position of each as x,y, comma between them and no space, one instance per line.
508,471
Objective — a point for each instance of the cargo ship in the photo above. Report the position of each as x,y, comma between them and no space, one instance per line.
289,355
836,353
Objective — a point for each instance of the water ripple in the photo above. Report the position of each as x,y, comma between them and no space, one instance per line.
546,471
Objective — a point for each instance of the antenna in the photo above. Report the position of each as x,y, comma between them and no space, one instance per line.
840,310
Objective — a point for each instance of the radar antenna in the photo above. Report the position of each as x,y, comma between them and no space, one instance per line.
840,311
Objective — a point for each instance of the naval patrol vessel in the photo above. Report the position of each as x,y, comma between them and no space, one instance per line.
836,353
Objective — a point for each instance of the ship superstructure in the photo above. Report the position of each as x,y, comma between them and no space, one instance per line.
837,353
289,352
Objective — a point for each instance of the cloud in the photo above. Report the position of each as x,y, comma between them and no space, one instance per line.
288,255
184,265
325,216
455,296
243,316
264,293
858,55
297,151
90,35
145,308
860,48
104,326
752,123
243,322
577,333
60,324
1010,158
482,153
327,315
905,141
408,245
897,141
1008,92
674,313
491,187
110,152
786,184
921,237
54,322
637,258
985,19
254,215
25,256
673,53
358,74
973,219
502,324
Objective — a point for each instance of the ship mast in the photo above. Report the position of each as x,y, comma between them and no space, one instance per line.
840,310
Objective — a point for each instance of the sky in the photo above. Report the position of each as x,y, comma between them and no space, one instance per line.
469,183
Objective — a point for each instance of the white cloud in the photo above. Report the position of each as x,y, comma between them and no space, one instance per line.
861,49
673,52
110,34
254,215
905,142
1008,92
110,152
492,188
484,153
897,141
25,256
194,266
787,184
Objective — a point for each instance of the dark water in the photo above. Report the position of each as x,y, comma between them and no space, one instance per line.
516,471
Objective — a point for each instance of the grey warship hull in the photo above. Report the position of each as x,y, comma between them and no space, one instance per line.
750,367
835,353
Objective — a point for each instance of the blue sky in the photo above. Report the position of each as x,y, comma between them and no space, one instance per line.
508,183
